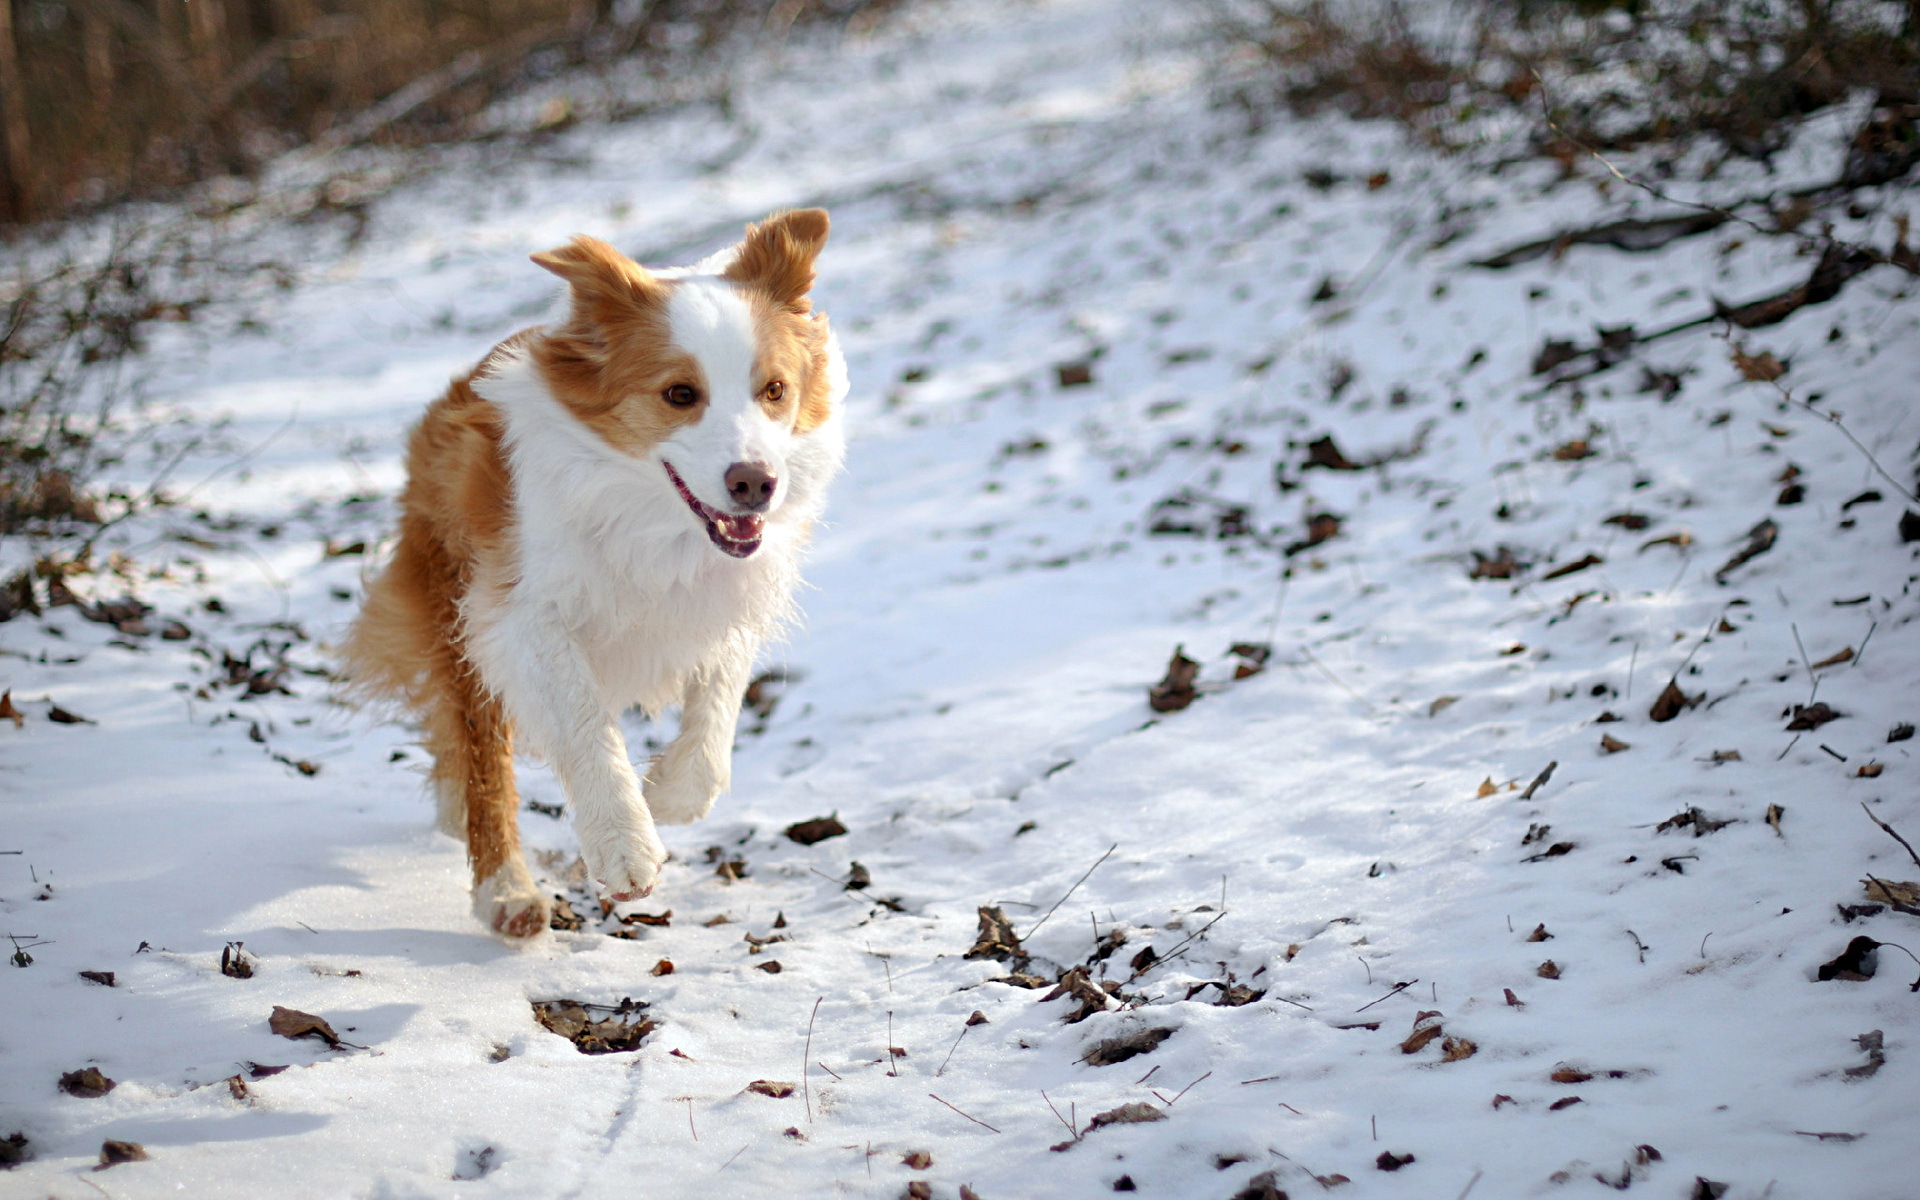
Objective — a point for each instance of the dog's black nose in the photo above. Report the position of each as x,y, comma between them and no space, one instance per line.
750,486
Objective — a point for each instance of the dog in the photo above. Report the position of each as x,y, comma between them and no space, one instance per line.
607,512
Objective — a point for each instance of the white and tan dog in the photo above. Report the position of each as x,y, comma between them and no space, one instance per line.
608,512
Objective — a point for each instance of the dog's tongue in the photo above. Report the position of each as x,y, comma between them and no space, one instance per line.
740,529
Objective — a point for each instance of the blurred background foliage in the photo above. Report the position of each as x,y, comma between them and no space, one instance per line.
109,100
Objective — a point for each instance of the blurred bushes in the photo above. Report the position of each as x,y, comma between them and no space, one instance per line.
1613,74
104,100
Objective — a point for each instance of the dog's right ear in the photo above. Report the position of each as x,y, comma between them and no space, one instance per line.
603,281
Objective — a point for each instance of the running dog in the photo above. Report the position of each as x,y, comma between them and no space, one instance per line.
607,511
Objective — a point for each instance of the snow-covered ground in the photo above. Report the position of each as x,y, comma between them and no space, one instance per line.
1347,837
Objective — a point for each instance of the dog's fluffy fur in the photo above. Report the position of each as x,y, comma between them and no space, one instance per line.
607,512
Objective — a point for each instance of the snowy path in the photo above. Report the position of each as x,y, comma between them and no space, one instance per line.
1014,188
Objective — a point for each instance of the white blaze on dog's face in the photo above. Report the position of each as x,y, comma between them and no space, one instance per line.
716,378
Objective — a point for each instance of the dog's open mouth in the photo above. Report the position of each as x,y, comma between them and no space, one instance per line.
738,536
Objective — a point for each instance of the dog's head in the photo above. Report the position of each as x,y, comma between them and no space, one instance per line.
713,375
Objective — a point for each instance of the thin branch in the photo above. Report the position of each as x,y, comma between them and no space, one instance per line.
1823,242
1891,833
1397,989
1056,1112
806,1056
1070,892
975,1120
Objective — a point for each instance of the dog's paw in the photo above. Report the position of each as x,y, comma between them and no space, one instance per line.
679,800
626,862
511,906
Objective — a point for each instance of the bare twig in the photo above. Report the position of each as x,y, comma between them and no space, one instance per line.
975,1120
1891,833
1822,242
1183,1091
1871,626
950,1050
806,1056
1070,891
1806,662
1834,420
1397,989
734,1155
1056,1112
690,1128
1179,947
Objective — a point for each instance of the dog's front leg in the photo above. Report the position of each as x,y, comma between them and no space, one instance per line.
698,765
556,703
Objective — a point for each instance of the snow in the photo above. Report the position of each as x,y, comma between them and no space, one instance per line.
1016,186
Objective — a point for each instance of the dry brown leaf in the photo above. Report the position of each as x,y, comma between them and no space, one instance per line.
778,1089
819,829
1120,1049
1774,813
1573,451
292,1023
88,1083
1502,565
1548,970
997,938
1757,368
113,1153
1760,539
1540,934
1577,565
1176,691
1671,702
596,1028
101,977
771,966
1832,660
918,1160
1613,745
1440,705
1813,716
1893,891
235,963
1869,770
1682,539
1513,1001
1137,1113
1488,788
1454,1049
663,967
1570,1075
8,711
1564,1102
1426,1027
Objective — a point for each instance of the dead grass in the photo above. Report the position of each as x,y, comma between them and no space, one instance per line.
118,99
1613,75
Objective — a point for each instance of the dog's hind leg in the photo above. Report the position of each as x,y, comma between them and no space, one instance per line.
698,765
473,780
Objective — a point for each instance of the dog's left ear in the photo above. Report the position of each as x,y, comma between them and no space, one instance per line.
777,256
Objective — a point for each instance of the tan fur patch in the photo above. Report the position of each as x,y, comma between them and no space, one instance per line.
455,525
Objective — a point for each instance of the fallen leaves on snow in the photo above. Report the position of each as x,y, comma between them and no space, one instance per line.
620,1027
88,1083
1176,691
292,1023
819,829
1119,1049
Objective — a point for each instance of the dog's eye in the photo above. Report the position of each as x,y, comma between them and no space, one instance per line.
774,391
681,396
